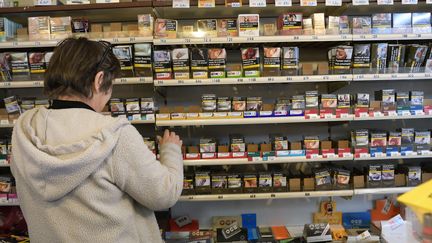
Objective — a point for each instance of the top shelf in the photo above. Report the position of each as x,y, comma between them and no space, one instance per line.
75,7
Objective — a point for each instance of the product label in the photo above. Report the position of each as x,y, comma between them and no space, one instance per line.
272,57
199,60
206,3
217,58
180,59
257,3
124,55
162,61
19,63
308,3
290,58
180,4
283,3
360,2
250,58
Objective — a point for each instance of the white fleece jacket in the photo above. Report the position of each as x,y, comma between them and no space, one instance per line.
84,177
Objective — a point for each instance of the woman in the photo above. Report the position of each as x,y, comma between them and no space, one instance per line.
82,176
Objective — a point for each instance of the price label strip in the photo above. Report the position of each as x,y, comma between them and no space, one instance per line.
181,4
283,3
257,3
360,2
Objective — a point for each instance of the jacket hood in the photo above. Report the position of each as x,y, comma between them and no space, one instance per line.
54,167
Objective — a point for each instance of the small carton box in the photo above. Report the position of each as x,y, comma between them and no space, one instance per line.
295,184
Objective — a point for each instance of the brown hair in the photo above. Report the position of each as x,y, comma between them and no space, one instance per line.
74,65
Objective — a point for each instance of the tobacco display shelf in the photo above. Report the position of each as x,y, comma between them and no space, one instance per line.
74,7
53,43
4,165
135,122
393,36
382,191
258,80
293,159
5,204
9,125
40,83
258,196
275,160
278,120
253,39
391,76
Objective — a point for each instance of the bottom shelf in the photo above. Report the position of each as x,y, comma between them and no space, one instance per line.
282,195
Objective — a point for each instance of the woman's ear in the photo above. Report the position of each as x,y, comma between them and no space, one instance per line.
98,81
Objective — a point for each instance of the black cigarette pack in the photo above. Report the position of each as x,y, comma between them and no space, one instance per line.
415,57
388,175
362,56
344,101
312,99
395,57
180,63
374,175
208,102
265,182
362,137
199,62
343,57
323,179
143,60
224,104
414,175
362,100
407,135
162,64
124,55
203,182
382,21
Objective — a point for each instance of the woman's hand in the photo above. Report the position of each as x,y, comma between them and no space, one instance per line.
169,137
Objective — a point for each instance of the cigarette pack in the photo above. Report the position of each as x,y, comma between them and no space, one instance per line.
234,183
362,100
361,25
307,26
396,57
124,55
265,182
237,143
378,139
202,182
223,104
344,101
388,175
147,105
227,27
417,98
143,60
180,63
290,60
279,182
318,20
162,64
165,28
254,103
239,104
402,100
251,62
233,3
60,27
280,143
272,61
342,178
382,23
333,23
199,62
208,103
145,24
250,181
19,65
39,28
248,24
422,137
374,175
207,26
132,108
290,23
395,139
414,175
27,104
402,21
298,102
344,26
343,58
415,57
117,107
362,137
386,96
312,99
323,179
362,56
11,105
217,62
379,55
421,20
6,66
207,145
329,100
81,25
311,142
218,183
407,135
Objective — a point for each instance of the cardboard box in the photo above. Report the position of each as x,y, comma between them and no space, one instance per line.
295,146
359,181
400,180
294,184
308,184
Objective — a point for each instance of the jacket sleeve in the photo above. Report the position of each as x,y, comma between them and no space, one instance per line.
156,185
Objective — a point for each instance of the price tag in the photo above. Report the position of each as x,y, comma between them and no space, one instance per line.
45,2
180,4
4,122
314,116
283,3
378,114
182,221
380,155
392,113
236,5
428,1
360,2
314,156
328,116
206,3
410,153
419,112
344,115
308,3
37,83
394,154
364,115
346,155
425,152
331,156
364,155
409,1
333,2
363,236
257,3
385,2
406,113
